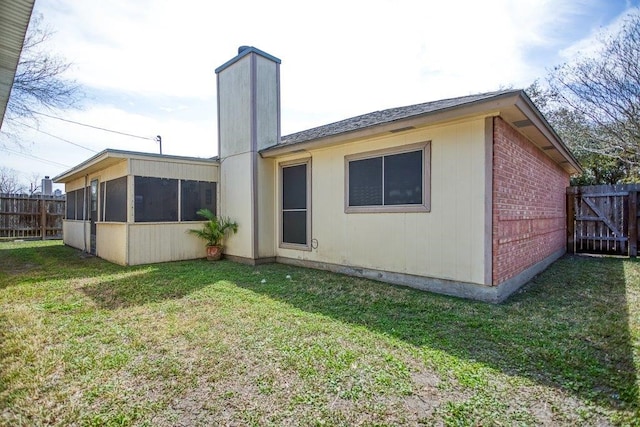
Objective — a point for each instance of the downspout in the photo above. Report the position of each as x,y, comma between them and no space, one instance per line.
84,214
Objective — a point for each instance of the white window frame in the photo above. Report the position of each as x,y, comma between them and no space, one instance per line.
425,206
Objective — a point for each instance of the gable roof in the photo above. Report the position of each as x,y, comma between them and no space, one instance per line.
512,105
385,116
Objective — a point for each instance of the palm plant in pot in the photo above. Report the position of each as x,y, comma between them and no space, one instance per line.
213,232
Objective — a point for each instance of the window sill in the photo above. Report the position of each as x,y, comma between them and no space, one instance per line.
387,209
295,246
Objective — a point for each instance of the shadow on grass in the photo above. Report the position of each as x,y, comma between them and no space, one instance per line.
569,328
109,285
49,260
150,284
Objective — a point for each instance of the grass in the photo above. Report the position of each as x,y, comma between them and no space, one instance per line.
85,342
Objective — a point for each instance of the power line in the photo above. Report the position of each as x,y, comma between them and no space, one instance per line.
31,156
97,127
57,137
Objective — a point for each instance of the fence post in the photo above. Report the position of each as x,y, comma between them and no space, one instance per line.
633,223
43,219
571,213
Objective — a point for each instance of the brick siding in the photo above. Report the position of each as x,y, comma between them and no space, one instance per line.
528,203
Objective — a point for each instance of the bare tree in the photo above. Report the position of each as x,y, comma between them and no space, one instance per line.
9,182
35,183
598,97
39,82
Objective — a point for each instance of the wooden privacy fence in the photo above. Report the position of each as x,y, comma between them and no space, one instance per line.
603,219
32,217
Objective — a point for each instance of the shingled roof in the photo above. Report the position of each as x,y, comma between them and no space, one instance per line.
386,116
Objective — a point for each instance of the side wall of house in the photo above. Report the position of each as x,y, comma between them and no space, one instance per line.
529,209
446,243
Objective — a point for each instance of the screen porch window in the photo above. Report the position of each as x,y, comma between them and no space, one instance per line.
156,199
114,200
295,216
388,181
75,204
196,195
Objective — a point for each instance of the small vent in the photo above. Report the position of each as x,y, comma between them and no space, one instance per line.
522,123
402,129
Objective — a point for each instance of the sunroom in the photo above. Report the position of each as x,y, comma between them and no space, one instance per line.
135,208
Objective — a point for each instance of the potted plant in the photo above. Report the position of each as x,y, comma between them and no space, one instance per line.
213,232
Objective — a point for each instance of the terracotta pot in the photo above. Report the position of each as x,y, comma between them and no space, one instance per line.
214,253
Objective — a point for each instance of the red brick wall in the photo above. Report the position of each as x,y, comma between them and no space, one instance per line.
528,203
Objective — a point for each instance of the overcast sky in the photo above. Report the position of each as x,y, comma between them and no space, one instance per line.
147,66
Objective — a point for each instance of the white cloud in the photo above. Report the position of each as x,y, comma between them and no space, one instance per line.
340,59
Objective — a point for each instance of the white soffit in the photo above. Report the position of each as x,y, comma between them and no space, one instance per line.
14,20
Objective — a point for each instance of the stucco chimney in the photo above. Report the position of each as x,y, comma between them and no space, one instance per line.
248,121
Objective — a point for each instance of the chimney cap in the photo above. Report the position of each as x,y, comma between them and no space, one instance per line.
244,51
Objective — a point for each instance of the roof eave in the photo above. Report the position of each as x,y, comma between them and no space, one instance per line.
487,107
14,21
514,106
109,156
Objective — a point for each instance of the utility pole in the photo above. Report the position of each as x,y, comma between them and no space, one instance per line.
159,141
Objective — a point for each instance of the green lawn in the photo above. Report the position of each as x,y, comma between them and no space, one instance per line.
85,342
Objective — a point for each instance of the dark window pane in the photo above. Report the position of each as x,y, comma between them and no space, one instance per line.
156,199
294,227
294,187
197,195
102,199
365,182
115,200
71,205
403,179
80,206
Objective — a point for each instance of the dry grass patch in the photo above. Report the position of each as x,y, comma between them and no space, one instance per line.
85,342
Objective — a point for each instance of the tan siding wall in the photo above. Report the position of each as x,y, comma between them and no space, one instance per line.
446,243
235,202
267,231
74,185
107,174
112,172
177,170
149,243
111,242
73,233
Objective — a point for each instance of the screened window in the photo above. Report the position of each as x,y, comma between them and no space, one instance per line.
389,181
71,205
196,195
80,204
114,200
75,202
156,199
102,200
295,217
